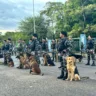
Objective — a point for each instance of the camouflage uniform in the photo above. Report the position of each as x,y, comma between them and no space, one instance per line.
35,45
5,52
20,48
62,49
53,47
11,48
35,49
90,52
24,46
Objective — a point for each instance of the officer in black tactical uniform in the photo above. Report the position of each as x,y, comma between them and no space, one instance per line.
62,49
90,51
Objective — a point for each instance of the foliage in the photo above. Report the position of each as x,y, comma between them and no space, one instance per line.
74,16
28,26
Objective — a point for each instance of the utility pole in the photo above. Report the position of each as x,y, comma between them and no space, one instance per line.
34,17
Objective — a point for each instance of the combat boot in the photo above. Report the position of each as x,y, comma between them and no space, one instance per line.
62,74
60,77
93,64
88,63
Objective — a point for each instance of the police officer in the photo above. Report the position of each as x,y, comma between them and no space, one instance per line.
44,45
35,47
4,46
19,46
62,49
29,46
90,51
24,46
7,49
82,48
35,43
53,47
10,46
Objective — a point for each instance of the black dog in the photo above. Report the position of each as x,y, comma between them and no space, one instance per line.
79,57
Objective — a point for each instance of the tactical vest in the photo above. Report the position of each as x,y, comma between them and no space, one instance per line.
63,45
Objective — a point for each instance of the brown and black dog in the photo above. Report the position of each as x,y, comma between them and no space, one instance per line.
23,61
47,60
34,67
72,70
10,61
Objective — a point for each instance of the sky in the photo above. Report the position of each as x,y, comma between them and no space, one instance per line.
13,11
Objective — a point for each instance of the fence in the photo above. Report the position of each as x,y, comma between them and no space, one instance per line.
76,44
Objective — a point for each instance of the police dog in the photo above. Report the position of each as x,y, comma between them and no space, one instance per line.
23,61
10,61
72,70
47,60
34,67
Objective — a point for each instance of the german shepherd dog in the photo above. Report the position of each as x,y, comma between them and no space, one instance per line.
34,67
72,70
47,60
23,61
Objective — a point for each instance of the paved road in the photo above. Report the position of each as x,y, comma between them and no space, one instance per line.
15,82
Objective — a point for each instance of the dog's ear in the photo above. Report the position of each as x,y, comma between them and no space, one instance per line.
66,58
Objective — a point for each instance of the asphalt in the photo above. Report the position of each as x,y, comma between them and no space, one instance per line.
16,82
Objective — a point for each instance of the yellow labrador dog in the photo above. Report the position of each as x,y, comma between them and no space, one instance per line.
72,70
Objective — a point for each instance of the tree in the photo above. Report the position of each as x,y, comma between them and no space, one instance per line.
75,16
54,11
41,26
